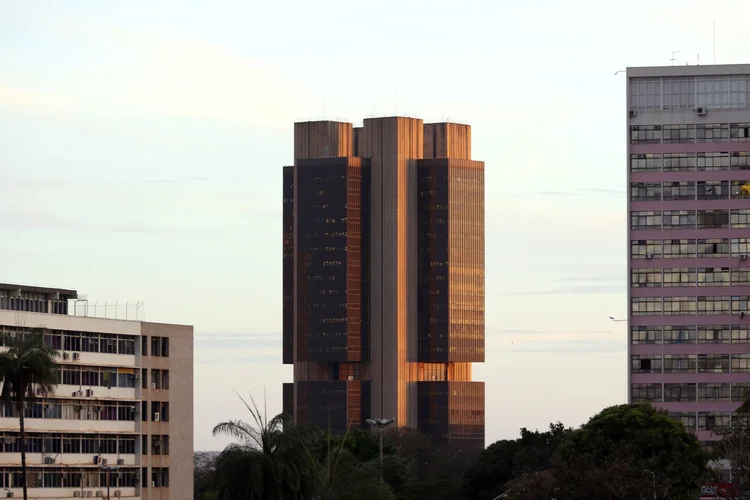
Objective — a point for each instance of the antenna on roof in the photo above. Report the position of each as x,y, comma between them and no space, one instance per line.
673,58
714,23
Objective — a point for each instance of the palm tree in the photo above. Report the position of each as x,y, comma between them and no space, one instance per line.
270,462
27,369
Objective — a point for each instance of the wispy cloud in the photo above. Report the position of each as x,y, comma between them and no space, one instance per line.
590,279
573,345
572,290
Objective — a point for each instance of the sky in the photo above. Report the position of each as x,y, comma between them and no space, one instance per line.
141,146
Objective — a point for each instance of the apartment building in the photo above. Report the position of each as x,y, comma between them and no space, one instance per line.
689,241
121,418
383,277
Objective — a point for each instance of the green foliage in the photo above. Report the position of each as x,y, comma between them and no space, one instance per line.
625,452
628,449
507,459
269,461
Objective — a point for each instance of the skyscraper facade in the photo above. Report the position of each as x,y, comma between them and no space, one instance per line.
383,276
689,241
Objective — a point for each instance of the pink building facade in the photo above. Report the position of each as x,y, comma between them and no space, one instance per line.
689,241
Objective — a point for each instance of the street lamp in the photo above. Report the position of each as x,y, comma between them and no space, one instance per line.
108,470
616,320
380,423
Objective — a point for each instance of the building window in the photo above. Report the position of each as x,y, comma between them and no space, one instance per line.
679,191
679,393
679,334
679,219
678,92
739,132
713,248
713,219
680,363
642,249
646,306
713,363
646,363
144,444
739,218
739,160
675,134
645,334
645,163
740,391
679,306
712,190
645,191
739,190
713,276
645,134
721,91
679,276
713,132
714,334
711,421
679,162
144,345
739,304
645,278
645,220
646,393
740,363
689,420
708,306
713,392
740,334
680,249
740,276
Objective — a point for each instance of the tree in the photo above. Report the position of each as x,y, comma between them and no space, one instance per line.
28,369
735,445
434,472
631,452
350,465
507,459
270,461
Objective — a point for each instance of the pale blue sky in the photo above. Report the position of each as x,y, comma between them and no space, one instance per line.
141,146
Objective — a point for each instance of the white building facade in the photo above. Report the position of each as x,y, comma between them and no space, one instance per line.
120,422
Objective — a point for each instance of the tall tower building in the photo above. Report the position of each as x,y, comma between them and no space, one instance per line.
383,271
689,241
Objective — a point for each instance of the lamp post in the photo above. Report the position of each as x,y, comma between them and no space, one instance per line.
380,423
108,470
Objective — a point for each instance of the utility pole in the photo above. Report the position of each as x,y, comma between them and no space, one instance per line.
381,424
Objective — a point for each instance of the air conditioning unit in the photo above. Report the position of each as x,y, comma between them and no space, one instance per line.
702,111
153,385
99,494
49,460
89,494
153,484
89,393
137,376
96,459
66,355
632,113
76,356
103,461
10,494
743,257
77,494
39,391
157,417
120,461
649,256
117,493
